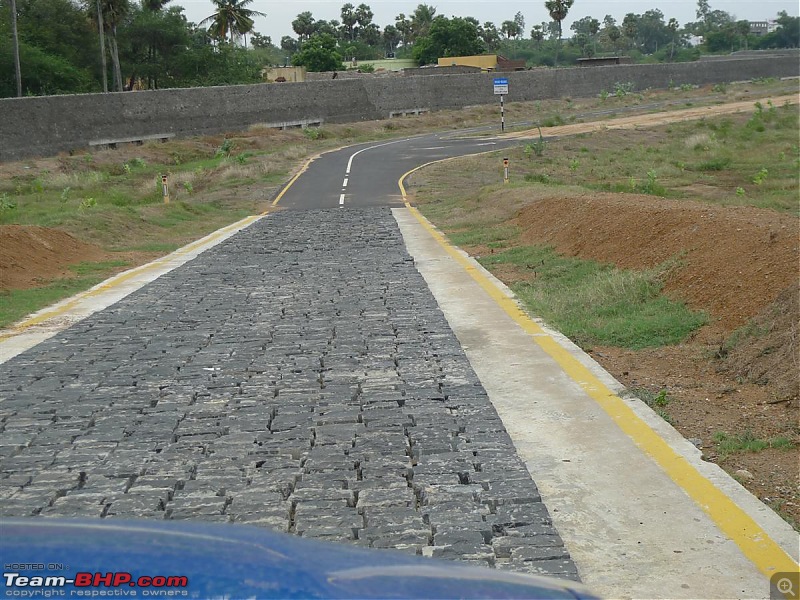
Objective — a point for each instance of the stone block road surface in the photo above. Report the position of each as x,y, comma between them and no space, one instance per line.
298,376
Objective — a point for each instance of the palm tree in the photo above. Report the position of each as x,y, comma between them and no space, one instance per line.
154,5
101,32
15,35
421,20
558,10
349,20
231,19
114,11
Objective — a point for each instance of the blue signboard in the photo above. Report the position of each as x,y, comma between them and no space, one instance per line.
500,85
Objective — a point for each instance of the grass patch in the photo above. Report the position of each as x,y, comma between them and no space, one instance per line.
593,303
748,442
15,304
755,153
494,237
658,401
96,268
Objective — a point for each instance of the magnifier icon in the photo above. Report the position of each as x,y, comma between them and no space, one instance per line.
785,586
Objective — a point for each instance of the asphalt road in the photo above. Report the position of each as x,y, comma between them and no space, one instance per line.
298,376
367,174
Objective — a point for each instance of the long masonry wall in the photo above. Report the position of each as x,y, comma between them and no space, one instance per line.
43,126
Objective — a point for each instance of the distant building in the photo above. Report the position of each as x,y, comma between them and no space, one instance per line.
763,27
599,61
283,74
485,62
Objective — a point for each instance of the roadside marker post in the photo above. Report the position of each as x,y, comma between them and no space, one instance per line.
501,89
165,189
505,170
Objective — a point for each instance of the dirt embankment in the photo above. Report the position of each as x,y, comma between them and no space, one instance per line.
34,256
731,261
740,374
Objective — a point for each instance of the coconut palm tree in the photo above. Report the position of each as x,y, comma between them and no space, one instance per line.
421,20
231,19
114,12
15,35
558,10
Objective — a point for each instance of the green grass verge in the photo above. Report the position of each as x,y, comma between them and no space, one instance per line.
14,305
749,160
747,442
593,303
96,268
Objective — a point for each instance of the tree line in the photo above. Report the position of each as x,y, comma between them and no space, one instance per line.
74,46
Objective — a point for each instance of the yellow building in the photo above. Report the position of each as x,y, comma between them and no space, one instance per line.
485,62
281,74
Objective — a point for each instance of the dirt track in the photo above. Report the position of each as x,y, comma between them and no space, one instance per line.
653,120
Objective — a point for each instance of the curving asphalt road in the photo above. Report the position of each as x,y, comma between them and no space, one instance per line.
367,174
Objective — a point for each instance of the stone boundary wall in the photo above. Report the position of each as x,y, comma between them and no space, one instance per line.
45,126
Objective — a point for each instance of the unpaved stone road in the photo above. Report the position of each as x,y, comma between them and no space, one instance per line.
299,376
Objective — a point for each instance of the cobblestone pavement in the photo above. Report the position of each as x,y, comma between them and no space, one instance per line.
298,376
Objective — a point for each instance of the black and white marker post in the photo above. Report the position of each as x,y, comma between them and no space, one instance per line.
501,89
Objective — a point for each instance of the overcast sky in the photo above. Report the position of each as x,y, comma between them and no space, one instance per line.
280,15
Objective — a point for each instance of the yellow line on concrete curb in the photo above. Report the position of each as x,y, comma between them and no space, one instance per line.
121,278
753,541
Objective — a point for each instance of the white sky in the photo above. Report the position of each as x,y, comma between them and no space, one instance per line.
281,14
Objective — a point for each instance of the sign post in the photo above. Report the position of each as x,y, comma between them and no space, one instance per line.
165,189
501,89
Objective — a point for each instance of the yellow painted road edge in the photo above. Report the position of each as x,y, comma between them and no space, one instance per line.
297,175
753,541
66,306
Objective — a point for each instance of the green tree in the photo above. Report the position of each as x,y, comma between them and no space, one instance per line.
558,10
787,35
289,44
405,28
588,27
319,54
304,26
510,29
363,16
421,21
101,31
448,37
260,41
114,14
349,20
152,43
331,27
519,21
44,71
743,29
391,37
230,19
537,35
673,26
490,36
